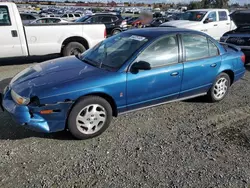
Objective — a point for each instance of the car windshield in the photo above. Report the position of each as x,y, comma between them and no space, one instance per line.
193,15
113,52
82,19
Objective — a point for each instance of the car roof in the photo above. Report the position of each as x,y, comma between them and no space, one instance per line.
160,31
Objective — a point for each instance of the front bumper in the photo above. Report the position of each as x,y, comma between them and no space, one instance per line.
31,118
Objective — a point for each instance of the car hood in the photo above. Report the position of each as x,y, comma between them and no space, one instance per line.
52,73
180,24
241,17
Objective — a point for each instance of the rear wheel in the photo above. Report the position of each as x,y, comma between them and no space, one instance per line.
90,117
115,32
220,88
73,48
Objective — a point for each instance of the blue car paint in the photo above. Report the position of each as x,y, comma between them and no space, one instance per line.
60,83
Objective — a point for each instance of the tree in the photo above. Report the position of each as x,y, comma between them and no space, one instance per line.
215,3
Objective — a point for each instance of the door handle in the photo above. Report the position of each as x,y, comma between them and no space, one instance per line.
228,23
174,73
14,33
215,24
213,65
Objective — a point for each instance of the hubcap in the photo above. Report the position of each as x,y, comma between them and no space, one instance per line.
91,119
220,88
75,51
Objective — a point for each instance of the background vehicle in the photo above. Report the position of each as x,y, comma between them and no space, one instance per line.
32,40
27,18
214,22
241,35
114,23
48,21
71,16
136,69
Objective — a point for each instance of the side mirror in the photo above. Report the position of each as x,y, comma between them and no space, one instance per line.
208,20
141,65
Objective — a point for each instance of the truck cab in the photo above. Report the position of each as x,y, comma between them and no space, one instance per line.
214,22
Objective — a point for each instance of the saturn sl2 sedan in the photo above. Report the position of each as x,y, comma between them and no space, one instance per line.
133,70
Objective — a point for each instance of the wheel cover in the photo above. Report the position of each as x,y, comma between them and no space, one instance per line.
91,119
220,88
75,51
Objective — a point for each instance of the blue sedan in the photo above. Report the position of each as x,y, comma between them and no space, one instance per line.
133,70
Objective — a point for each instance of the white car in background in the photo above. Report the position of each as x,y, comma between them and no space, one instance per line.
214,22
49,21
71,16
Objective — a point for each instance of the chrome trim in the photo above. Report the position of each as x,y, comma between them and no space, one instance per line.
175,100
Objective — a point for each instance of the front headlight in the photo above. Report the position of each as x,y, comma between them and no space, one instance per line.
18,99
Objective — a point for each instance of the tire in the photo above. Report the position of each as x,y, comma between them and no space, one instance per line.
219,90
73,48
84,122
115,32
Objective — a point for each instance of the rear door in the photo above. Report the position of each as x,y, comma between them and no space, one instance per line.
10,43
201,64
110,25
224,23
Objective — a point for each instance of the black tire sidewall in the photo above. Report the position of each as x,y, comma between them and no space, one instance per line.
85,101
73,45
211,91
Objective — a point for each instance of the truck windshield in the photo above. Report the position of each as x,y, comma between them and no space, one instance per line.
113,52
193,15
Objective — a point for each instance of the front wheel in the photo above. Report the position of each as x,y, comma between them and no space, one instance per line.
220,88
90,117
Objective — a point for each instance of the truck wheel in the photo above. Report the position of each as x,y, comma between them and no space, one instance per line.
90,117
73,48
220,88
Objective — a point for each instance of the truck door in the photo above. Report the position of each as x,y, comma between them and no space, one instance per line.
224,23
10,43
211,25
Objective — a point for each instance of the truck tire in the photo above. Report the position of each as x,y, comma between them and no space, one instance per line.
73,48
90,117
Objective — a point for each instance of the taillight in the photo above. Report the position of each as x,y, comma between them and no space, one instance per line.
105,33
243,58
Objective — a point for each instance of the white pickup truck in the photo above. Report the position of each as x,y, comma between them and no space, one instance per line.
66,39
214,22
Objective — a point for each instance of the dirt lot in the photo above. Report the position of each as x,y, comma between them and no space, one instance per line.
184,144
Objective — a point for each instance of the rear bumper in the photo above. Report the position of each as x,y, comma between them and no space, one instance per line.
31,118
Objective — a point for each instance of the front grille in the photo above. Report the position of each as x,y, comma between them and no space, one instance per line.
239,41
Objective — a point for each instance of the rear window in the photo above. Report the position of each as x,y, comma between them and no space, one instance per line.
223,16
4,16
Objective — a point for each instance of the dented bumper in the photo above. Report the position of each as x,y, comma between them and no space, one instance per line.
31,118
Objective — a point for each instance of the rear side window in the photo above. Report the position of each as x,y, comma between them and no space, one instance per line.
77,15
106,19
114,18
65,16
213,50
30,17
71,16
196,47
162,52
4,16
223,16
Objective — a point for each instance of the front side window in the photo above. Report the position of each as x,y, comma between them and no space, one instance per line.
162,52
193,15
4,16
113,52
196,47
223,16
212,16
71,16
65,16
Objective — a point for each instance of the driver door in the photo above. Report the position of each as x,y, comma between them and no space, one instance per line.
162,82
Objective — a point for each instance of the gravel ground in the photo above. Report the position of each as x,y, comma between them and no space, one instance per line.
185,144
